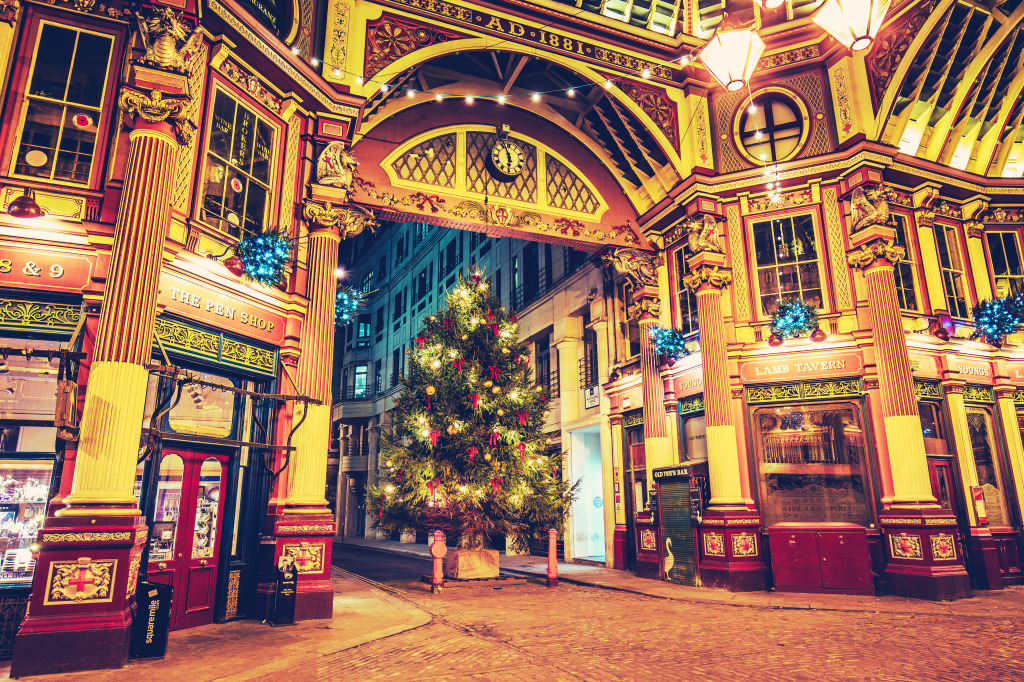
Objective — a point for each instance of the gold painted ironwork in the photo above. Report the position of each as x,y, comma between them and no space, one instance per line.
807,390
841,388
1018,396
927,389
567,190
634,418
431,161
29,315
234,584
198,342
978,394
773,393
694,404
251,356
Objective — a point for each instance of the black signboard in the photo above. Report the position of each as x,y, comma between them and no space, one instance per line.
152,621
282,603
274,14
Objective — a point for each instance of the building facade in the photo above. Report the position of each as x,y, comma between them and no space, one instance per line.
880,186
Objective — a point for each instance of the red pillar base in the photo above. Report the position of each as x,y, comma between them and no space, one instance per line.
731,554
83,596
984,560
309,538
924,555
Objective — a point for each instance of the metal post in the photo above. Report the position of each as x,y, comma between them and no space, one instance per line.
438,550
552,558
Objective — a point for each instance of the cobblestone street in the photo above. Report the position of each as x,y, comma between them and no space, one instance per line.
530,632
584,633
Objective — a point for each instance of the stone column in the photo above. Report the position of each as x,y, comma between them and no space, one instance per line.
914,525
978,261
568,333
618,483
924,216
646,308
730,554
98,533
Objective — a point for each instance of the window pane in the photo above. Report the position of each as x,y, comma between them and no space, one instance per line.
979,423
242,139
167,509
223,121
261,153
43,122
207,505
50,76
89,73
205,410
22,508
77,146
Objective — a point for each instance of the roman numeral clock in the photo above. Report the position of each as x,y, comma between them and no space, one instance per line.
507,160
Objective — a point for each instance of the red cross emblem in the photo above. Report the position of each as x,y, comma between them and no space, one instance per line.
81,581
304,558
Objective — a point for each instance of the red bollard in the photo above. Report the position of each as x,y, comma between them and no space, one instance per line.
552,558
438,550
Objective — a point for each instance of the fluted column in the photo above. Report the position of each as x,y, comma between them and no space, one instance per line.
111,427
646,309
876,254
307,476
708,280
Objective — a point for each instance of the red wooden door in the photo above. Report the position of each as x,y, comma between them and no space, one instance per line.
197,580
185,533
845,562
794,558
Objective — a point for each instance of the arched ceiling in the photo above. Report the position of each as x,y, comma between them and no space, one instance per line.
591,112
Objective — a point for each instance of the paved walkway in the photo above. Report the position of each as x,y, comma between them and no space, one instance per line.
249,650
998,603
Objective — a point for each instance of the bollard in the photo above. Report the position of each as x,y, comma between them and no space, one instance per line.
552,558
438,550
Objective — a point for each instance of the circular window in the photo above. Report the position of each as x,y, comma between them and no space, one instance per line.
773,128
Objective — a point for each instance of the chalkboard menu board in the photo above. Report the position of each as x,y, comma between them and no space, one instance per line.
274,14
676,527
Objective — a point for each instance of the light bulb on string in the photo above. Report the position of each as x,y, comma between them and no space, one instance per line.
295,49
535,97
383,87
646,73
571,92
469,99
359,80
314,61
410,94
501,99
439,97
337,71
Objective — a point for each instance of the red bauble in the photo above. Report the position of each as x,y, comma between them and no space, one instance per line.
818,335
774,340
234,266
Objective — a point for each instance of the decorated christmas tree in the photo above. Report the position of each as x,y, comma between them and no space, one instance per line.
466,454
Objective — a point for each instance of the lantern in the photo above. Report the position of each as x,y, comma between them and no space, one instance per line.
854,23
25,206
732,53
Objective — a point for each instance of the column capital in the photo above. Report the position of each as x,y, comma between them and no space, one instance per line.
874,246
155,107
344,221
975,229
707,272
1005,392
9,11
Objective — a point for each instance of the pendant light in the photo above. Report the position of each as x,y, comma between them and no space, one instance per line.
854,23
25,206
732,53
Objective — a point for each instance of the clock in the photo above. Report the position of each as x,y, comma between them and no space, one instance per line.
507,159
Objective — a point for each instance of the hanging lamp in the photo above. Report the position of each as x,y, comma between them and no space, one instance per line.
854,23
25,206
732,53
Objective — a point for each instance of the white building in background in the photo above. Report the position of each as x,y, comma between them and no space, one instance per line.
563,303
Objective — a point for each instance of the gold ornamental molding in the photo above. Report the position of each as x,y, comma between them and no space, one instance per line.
39,316
348,220
639,267
868,253
307,528
116,536
714,276
158,108
9,11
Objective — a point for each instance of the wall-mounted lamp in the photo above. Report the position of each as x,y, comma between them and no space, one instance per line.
25,206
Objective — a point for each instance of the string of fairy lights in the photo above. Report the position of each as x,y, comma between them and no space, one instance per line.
385,88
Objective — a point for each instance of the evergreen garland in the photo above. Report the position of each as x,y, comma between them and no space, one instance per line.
669,342
466,454
998,317
347,302
264,256
792,318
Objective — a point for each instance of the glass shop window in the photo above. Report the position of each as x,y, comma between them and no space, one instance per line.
786,253
1004,255
932,428
202,410
952,270
811,463
636,462
987,465
238,166
693,442
906,286
687,300
27,442
64,99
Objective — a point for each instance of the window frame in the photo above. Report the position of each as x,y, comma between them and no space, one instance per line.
992,276
943,270
20,79
742,113
910,258
678,264
822,250
272,210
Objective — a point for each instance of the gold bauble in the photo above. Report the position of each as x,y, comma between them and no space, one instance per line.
465,336
546,413
548,441
501,413
432,318
431,390
388,463
452,430
506,351
538,388
487,456
496,389
488,383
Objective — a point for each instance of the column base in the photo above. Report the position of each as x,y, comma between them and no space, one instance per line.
308,539
984,560
731,556
924,558
83,596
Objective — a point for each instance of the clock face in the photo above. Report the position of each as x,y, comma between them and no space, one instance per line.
508,158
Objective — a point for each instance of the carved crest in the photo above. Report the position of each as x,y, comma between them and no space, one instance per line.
350,220
639,267
702,235
336,166
161,33
869,207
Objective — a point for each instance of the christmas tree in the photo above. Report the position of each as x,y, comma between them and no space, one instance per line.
465,454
